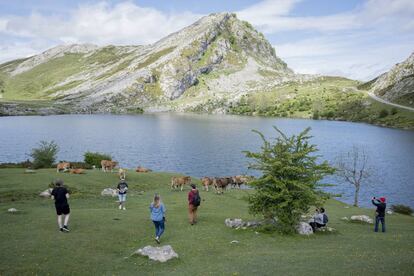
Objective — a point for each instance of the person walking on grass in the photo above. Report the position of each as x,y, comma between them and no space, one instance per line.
157,210
193,203
60,194
380,212
122,189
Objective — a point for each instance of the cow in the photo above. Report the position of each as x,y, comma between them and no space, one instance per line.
220,183
77,171
180,181
238,180
140,169
108,165
63,166
206,181
122,173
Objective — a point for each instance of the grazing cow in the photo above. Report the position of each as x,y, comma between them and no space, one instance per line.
77,171
238,180
63,166
122,173
220,183
140,169
206,181
108,165
180,181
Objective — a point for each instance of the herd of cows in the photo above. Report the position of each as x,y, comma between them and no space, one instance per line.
177,182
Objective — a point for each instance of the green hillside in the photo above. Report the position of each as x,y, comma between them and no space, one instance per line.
102,238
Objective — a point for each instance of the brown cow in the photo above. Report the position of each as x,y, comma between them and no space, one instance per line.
220,183
140,169
180,181
206,181
108,165
77,171
63,166
238,180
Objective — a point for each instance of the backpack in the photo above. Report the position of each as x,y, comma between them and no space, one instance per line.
196,199
325,219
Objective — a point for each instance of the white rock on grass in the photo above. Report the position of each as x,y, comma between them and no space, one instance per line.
46,193
160,254
389,212
233,223
363,218
345,218
12,210
304,228
109,192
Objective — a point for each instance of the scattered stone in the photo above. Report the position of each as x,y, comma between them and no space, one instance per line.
46,193
161,254
389,212
345,218
12,210
257,233
109,192
363,218
304,228
29,171
239,223
326,229
234,241
346,207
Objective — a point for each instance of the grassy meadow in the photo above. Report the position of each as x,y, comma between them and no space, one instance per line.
102,238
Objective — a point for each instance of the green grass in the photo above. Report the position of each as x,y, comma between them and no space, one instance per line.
330,98
102,237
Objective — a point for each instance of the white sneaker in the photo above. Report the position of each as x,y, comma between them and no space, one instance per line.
124,208
120,207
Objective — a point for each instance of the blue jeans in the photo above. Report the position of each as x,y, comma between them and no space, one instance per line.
377,221
122,197
159,227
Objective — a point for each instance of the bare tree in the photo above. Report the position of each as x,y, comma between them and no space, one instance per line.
353,168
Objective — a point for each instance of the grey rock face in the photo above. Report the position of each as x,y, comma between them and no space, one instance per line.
160,254
304,228
109,192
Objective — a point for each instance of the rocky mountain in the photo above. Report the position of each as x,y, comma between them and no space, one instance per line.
396,85
203,67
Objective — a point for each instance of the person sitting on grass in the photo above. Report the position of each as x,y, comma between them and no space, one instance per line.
122,191
60,194
157,210
380,212
320,219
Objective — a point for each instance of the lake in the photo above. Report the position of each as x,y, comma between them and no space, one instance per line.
212,145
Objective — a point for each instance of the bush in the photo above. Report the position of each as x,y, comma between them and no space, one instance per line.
289,185
383,113
95,158
394,111
45,155
402,209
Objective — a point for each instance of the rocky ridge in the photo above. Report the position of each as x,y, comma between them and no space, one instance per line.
202,67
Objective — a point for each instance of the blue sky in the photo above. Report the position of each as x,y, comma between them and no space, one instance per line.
358,39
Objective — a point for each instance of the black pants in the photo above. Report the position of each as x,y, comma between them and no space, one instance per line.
315,225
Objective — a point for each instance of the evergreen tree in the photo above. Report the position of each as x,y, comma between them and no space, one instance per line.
290,178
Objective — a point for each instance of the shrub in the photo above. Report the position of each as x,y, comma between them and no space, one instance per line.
402,209
383,113
394,111
289,184
95,158
45,155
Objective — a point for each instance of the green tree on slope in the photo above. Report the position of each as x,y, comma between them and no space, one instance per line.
290,178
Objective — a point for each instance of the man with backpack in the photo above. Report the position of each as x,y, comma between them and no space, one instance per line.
194,201
320,219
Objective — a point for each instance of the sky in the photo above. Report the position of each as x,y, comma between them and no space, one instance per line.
358,39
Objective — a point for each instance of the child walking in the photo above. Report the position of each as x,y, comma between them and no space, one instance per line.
157,210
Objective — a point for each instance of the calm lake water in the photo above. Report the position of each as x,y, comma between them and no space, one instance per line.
212,145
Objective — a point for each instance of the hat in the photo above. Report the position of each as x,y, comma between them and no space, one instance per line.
193,186
382,199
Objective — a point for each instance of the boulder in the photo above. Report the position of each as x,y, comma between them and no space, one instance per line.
29,171
304,228
46,193
389,212
12,210
161,254
109,192
345,218
362,218
233,223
